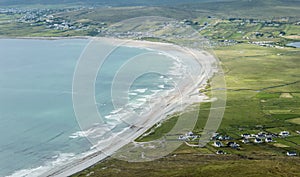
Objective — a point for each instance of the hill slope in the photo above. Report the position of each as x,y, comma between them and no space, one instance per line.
103,2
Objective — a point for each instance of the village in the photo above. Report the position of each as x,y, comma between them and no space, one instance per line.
221,142
45,17
210,27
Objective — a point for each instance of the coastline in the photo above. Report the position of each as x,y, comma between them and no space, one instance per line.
47,38
176,102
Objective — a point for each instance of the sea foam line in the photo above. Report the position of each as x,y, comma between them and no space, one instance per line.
60,159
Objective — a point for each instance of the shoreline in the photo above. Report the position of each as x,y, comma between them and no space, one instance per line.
188,95
47,38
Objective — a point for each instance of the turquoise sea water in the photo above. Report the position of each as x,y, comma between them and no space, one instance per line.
38,128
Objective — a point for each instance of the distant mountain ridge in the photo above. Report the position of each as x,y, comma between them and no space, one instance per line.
103,2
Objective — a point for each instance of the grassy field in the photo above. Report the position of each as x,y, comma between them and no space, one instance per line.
256,77
239,30
185,10
295,121
198,165
284,11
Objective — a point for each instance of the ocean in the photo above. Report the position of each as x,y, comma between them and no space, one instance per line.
38,127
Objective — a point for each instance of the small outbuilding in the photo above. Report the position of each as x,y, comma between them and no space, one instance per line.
246,135
291,154
258,140
245,141
218,144
284,133
220,152
268,140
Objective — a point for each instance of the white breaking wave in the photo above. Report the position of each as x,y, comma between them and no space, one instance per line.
135,104
118,117
116,111
141,90
132,93
155,91
80,134
59,159
143,100
94,132
161,86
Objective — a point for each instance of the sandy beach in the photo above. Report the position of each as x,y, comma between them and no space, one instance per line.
176,102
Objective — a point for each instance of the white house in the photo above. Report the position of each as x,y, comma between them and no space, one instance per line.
284,133
258,140
181,137
233,144
245,141
218,144
246,135
189,134
268,140
220,152
261,135
291,154
214,135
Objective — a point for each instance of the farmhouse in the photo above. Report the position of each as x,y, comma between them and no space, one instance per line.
268,140
245,141
258,140
291,154
246,135
284,133
233,144
220,152
218,144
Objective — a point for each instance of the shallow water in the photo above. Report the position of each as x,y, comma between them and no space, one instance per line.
38,127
